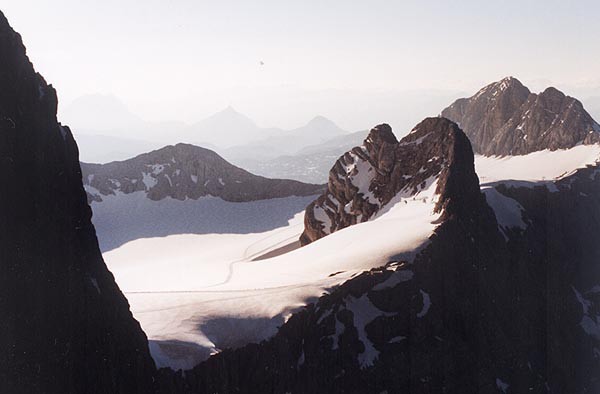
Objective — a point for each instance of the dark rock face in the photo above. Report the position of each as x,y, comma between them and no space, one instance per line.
65,327
505,118
367,178
186,171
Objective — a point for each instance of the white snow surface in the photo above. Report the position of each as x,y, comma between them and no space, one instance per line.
534,169
121,217
538,166
426,304
364,312
509,213
590,323
195,294
502,385
201,290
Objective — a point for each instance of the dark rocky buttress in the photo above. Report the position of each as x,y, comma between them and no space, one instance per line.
65,327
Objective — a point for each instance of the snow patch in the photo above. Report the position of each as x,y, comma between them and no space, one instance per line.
339,330
426,304
95,283
91,190
589,323
322,217
509,213
502,385
148,180
394,279
157,168
397,339
364,312
538,166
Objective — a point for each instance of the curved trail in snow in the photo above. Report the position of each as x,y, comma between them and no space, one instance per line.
252,294
248,257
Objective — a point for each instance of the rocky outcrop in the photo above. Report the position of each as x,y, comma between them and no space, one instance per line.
65,327
186,171
406,327
366,179
486,307
505,118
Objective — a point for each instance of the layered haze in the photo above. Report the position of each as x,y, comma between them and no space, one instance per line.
281,65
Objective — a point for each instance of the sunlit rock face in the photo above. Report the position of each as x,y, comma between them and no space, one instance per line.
505,118
365,180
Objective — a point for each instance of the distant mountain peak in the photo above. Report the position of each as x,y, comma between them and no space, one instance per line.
320,119
99,111
505,85
230,110
185,171
505,118
230,113
319,128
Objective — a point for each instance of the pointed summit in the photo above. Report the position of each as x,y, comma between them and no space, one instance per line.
225,128
369,177
505,118
383,133
319,128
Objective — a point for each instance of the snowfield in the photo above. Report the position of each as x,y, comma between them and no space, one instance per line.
538,166
121,217
534,169
239,273
195,294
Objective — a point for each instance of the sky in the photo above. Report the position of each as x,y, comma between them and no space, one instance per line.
356,62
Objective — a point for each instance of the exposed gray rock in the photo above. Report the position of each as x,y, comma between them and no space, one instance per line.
367,178
505,118
185,171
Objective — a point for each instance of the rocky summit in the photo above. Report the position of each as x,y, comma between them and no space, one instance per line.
505,118
381,171
185,171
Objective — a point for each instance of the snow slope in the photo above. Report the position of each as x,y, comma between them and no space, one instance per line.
121,218
534,169
196,294
538,166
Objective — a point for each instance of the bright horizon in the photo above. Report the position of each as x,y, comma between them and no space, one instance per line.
356,64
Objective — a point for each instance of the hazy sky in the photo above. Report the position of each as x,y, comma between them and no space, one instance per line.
185,59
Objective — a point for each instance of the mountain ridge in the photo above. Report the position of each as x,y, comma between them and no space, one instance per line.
184,171
505,118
